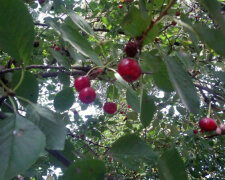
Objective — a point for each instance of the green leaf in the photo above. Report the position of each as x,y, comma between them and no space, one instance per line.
214,38
16,30
21,142
151,35
143,8
214,8
160,73
171,166
29,87
73,36
51,124
90,169
131,151
134,23
147,109
64,99
192,34
158,4
186,59
133,100
183,85
221,76
81,23
112,92
75,55
132,115
131,95
64,79
59,58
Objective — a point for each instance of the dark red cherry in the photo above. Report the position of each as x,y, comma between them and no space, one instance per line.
131,49
110,107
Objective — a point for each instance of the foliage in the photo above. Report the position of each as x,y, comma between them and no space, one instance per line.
44,125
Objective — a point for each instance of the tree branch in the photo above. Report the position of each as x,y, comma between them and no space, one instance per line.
153,22
210,91
89,141
86,69
107,30
59,156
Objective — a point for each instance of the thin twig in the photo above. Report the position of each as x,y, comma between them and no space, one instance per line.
153,22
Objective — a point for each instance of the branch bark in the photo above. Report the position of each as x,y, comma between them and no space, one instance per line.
81,68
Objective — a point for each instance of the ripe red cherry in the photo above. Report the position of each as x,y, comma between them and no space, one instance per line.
129,70
178,13
81,82
156,40
174,23
110,107
128,106
131,49
207,124
120,6
195,131
57,48
87,95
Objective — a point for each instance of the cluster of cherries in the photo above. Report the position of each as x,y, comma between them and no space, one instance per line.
87,94
208,124
128,68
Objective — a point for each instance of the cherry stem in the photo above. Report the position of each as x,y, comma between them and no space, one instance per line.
209,110
92,69
25,100
218,118
4,86
13,104
112,69
20,81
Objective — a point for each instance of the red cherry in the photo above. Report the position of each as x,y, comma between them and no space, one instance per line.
207,124
81,82
57,48
178,13
120,6
41,1
87,95
131,49
122,112
174,23
195,131
156,40
129,70
110,107
128,106
82,136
